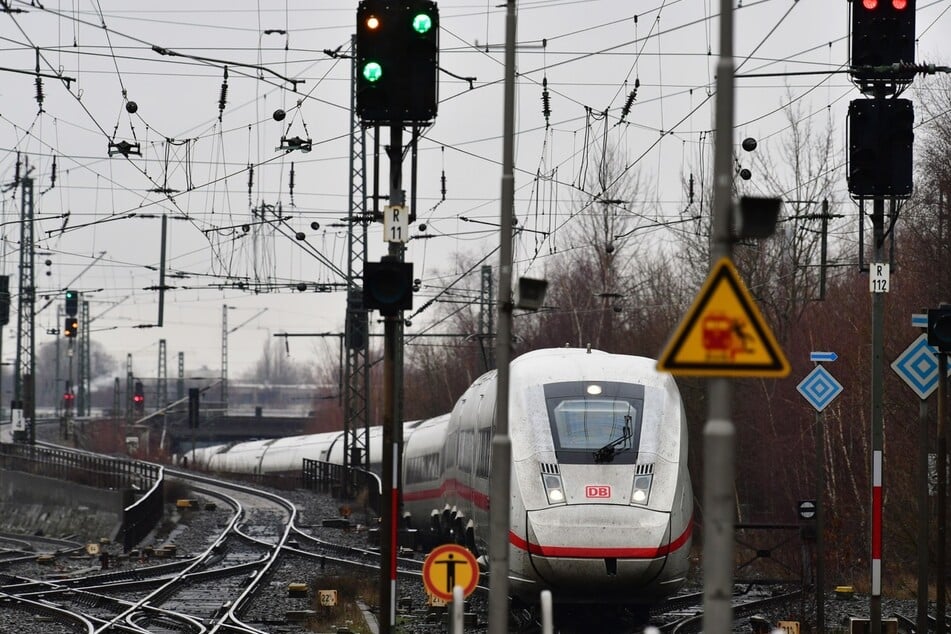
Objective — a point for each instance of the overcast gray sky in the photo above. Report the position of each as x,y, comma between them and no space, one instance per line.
591,52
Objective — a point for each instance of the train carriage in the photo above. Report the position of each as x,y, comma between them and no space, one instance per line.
601,501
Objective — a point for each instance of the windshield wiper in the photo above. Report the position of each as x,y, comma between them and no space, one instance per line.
606,453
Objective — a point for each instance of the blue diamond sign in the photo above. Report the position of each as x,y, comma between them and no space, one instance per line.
819,388
918,367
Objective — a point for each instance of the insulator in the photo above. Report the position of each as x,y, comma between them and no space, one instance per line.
546,100
53,174
250,180
690,189
223,98
442,180
627,106
291,184
626,110
39,92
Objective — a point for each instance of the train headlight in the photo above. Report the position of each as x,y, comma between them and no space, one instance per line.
642,489
553,488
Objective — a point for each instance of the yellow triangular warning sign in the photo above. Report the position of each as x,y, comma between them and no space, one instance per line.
723,333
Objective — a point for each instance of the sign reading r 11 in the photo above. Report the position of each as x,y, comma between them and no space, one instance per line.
395,223
878,277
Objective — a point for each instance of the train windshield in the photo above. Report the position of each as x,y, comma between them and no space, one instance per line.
595,422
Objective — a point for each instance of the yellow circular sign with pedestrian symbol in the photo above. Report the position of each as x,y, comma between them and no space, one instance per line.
449,566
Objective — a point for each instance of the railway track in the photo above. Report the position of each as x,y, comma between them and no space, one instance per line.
203,592
232,573
232,583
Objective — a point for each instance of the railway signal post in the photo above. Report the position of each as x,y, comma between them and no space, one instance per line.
819,388
880,166
939,335
397,52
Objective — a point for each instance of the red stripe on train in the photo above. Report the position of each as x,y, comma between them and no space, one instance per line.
478,499
599,553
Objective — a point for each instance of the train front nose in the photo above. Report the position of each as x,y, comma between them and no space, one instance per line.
607,552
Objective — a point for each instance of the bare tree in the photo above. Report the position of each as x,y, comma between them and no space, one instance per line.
275,367
590,283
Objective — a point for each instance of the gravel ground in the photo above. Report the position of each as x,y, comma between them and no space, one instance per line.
191,530
838,611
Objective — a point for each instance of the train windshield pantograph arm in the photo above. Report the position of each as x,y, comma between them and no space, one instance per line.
607,452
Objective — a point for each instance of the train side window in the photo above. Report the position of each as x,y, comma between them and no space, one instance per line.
423,468
485,450
466,450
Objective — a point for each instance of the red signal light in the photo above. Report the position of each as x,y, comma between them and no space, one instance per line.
138,398
871,5
900,5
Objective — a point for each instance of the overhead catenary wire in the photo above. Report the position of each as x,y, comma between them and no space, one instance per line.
261,177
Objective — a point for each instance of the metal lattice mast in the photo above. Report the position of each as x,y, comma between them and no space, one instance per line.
116,405
161,384
224,357
357,371
84,396
180,389
59,381
487,319
23,384
128,388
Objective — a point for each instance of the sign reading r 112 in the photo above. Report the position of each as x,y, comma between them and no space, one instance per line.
878,277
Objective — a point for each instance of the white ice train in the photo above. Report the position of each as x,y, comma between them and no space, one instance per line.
601,501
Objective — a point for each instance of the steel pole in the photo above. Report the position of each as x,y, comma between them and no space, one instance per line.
392,425
500,485
922,621
878,328
387,522
719,432
820,522
942,467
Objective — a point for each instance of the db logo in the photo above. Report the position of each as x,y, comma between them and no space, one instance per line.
597,491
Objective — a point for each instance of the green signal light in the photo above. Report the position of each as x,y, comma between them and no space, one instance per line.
372,71
422,23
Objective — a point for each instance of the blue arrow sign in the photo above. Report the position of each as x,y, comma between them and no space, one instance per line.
918,367
819,388
820,357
